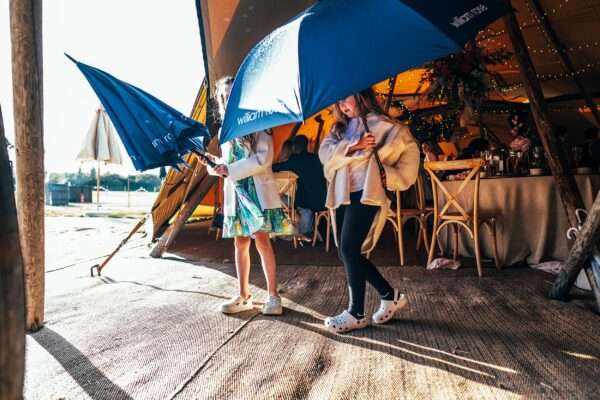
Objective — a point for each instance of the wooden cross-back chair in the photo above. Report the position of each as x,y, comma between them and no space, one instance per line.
318,216
399,216
450,212
287,184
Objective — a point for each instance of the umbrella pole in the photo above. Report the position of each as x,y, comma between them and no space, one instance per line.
98,185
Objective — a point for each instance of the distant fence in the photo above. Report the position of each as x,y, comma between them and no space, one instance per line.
61,194
57,194
80,194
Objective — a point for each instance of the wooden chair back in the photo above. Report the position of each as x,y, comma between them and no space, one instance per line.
451,196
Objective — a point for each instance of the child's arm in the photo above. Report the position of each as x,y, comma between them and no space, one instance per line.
333,153
259,161
403,173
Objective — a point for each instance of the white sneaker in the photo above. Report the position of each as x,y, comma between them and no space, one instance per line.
388,308
272,306
237,305
345,322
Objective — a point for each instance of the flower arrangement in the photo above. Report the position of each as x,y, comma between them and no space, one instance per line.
463,80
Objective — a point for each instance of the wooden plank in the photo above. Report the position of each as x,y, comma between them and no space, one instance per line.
12,298
453,165
186,211
390,97
26,40
579,255
563,56
567,187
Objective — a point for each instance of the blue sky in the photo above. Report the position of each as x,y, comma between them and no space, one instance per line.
153,44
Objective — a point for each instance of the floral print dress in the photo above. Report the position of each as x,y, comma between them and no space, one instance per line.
249,216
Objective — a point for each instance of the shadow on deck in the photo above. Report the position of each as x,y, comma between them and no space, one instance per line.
150,329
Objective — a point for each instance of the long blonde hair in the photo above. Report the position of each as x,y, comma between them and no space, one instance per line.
366,102
221,86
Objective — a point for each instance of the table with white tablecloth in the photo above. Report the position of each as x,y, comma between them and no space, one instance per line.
531,221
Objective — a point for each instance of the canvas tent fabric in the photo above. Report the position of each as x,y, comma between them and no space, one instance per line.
230,28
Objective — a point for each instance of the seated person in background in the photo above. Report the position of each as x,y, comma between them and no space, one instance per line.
431,151
474,149
311,192
286,152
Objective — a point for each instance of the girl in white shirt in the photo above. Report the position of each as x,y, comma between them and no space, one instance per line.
357,197
252,208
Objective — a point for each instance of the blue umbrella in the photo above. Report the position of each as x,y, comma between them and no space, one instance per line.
339,47
153,133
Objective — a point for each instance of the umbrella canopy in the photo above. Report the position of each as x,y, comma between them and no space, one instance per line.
339,47
154,134
100,143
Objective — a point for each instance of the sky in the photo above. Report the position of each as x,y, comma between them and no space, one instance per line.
153,44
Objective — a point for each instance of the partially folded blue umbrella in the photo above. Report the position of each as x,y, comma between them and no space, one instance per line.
154,134
338,47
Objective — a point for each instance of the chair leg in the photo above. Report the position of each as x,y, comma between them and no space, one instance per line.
328,233
315,229
455,244
434,241
423,232
401,245
477,254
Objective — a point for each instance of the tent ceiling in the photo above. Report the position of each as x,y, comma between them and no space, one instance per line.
232,27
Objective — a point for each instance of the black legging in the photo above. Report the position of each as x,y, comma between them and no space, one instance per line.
353,223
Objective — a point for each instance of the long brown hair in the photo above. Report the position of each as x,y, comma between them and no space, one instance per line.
221,86
366,102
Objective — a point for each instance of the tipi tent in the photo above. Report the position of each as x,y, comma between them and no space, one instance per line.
230,28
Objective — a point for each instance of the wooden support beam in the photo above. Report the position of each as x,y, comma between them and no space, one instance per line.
199,185
391,87
12,297
185,212
567,186
565,60
579,255
26,40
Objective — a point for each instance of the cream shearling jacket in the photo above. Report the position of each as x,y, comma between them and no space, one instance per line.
257,166
399,155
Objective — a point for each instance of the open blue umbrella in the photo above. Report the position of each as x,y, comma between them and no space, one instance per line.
339,47
154,134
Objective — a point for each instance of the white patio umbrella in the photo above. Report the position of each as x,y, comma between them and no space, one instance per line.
100,145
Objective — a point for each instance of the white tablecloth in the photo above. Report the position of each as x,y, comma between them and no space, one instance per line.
532,223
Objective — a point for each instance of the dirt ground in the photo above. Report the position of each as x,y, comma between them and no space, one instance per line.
150,328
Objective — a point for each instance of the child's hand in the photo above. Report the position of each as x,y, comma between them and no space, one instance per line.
221,170
366,142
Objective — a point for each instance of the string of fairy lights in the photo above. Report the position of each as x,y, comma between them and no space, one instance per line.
488,37
531,22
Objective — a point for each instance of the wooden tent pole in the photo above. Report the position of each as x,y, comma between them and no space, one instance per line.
98,185
567,186
544,22
185,212
392,86
12,296
26,40
199,185
579,255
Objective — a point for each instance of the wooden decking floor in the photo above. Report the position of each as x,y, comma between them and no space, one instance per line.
150,329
